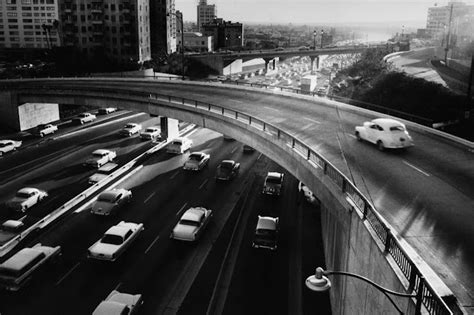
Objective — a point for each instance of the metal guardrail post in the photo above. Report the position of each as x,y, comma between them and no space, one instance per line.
388,238
308,154
412,280
419,295
366,210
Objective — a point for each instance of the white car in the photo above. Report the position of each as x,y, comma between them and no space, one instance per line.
110,201
151,133
107,110
26,198
197,161
8,145
100,157
115,241
119,303
179,145
273,183
84,118
385,133
43,130
266,233
308,194
191,225
16,271
130,129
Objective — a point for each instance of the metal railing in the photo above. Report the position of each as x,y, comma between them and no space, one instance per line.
433,303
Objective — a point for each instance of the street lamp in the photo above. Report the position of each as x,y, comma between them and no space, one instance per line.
180,18
320,283
314,36
322,36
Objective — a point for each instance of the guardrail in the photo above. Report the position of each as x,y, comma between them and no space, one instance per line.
80,198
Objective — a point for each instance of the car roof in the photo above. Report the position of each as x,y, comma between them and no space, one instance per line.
118,230
230,162
274,174
193,214
197,153
153,128
267,223
5,141
100,151
387,122
109,307
111,194
21,259
27,190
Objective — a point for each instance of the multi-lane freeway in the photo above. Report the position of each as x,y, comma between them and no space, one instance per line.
170,275
425,193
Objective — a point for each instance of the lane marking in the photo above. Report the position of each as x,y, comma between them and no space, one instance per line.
68,273
152,243
118,286
174,174
204,183
312,120
149,197
259,156
416,168
181,209
233,150
351,135
271,108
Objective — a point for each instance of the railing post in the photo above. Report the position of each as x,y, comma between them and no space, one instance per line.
412,279
325,168
222,111
419,295
250,120
388,238
308,155
292,143
344,183
366,209
264,126
278,133
196,104
236,115
209,107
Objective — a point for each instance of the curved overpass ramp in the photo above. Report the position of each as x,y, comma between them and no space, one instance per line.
425,193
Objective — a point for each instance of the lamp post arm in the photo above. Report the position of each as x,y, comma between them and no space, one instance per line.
385,291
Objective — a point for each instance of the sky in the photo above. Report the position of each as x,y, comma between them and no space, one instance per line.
412,13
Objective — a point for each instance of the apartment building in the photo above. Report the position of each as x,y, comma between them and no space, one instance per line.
206,13
117,29
439,18
29,24
163,27
226,34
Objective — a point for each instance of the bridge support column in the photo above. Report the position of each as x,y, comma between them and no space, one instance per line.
270,65
169,128
313,68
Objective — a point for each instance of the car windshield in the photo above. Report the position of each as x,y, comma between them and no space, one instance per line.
3,145
83,115
189,222
226,166
397,128
264,233
177,142
97,154
22,194
107,197
150,130
112,239
195,157
129,126
274,180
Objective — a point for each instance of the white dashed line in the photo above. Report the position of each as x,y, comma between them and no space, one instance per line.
152,243
233,150
312,120
68,273
118,286
149,197
351,135
204,183
181,209
259,156
174,174
416,168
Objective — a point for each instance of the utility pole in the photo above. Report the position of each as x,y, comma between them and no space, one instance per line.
447,36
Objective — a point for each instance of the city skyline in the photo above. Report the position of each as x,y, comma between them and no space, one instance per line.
409,13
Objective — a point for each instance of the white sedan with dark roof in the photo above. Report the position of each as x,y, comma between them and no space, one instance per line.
385,133
191,225
115,241
110,201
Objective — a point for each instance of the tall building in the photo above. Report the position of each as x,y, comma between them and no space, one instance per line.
118,30
163,27
438,18
206,13
225,33
29,24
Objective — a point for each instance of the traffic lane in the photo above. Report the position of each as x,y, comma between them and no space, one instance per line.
37,156
261,279
57,171
57,143
76,243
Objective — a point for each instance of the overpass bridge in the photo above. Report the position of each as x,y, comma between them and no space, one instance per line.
397,218
219,60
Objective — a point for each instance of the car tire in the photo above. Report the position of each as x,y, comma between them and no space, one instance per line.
357,134
380,145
